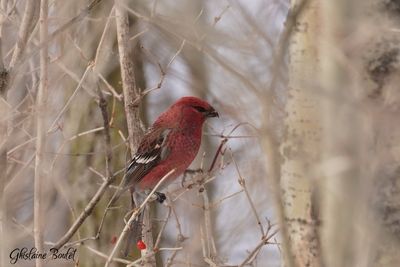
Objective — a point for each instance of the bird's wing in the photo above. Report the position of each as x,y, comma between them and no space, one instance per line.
151,151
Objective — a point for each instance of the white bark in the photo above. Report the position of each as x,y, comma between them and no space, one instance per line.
300,148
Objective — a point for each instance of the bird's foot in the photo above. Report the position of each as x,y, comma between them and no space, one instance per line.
160,197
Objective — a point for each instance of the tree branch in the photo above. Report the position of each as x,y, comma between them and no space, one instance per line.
133,217
130,90
29,20
41,106
131,97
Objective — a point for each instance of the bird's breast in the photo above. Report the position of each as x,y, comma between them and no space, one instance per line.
185,145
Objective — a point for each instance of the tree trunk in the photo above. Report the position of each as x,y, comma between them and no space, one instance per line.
131,100
361,185
302,135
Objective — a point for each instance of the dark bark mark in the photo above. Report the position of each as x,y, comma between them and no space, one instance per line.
381,65
392,7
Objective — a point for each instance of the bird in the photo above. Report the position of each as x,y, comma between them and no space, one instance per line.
171,143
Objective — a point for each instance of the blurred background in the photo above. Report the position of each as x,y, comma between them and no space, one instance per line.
307,172
219,51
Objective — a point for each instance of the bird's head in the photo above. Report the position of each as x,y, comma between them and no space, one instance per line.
196,107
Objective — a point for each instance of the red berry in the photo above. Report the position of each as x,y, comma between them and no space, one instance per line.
141,245
113,239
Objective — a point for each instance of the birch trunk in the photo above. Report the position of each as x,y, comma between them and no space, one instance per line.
382,67
301,143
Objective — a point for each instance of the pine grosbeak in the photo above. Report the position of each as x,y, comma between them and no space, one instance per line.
172,142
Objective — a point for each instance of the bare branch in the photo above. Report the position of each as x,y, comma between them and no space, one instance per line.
242,183
52,126
106,125
28,22
133,217
89,208
131,92
41,106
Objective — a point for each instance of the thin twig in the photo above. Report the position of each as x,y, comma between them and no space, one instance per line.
242,183
211,248
75,77
12,150
160,233
95,130
85,213
104,256
133,217
110,87
221,145
81,15
28,21
216,203
41,107
257,249
52,126
179,239
106,125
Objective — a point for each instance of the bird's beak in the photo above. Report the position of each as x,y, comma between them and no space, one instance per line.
212,113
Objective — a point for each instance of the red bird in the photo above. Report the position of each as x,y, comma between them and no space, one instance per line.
172,142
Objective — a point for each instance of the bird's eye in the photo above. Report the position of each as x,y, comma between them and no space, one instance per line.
199,109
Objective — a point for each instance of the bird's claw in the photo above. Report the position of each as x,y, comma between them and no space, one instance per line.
160,197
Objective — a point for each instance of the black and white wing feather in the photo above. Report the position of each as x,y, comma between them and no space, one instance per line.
151,151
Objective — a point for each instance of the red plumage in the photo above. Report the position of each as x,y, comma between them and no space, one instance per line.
171,143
